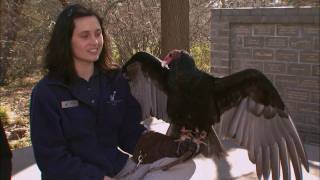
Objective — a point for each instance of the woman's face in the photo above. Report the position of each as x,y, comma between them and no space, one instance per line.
87,40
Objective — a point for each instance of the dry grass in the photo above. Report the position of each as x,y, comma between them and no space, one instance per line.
14,110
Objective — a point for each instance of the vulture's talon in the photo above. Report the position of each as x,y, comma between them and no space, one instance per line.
191,141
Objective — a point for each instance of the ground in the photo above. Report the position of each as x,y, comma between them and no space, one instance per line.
14,110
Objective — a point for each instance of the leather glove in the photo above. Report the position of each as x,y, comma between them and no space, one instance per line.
153,146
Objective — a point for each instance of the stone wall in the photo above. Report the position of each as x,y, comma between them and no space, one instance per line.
283,43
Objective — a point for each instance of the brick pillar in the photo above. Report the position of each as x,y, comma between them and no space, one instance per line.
283,43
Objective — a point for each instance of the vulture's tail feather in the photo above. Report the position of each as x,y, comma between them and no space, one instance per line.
215,146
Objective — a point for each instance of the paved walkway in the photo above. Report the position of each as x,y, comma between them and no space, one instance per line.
236,165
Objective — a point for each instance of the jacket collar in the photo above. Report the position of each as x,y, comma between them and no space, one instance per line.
105,77
60,82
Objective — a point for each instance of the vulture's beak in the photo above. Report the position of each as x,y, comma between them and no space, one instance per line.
164,64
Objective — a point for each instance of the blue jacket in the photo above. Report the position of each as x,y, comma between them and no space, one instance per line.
76,138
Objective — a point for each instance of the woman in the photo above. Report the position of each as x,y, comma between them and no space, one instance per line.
82,110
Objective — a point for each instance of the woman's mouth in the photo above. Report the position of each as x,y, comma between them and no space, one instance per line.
93,51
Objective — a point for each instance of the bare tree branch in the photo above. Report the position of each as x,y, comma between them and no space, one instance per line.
64,2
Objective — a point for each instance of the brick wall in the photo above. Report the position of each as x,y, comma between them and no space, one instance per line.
283,43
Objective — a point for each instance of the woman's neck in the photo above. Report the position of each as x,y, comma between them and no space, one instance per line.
84,70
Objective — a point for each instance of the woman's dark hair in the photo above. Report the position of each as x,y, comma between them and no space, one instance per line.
58,58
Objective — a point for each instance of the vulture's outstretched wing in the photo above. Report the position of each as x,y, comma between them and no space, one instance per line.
253,114
147,80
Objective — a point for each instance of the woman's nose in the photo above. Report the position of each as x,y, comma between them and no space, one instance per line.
94,40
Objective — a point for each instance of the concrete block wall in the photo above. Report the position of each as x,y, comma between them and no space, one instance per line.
283,43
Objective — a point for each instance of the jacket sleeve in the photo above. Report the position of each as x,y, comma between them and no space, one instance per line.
131,128
49,143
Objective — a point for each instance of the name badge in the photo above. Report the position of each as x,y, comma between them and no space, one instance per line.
69,104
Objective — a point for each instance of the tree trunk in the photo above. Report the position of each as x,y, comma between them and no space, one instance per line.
9,13
174,25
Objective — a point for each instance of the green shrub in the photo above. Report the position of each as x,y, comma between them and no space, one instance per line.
20,143
3,115
201,54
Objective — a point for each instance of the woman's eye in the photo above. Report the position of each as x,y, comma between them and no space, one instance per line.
84,36
98,33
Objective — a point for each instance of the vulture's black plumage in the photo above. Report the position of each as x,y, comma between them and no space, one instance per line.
245,106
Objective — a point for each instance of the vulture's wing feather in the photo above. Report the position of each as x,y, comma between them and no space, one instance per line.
253,114
147,80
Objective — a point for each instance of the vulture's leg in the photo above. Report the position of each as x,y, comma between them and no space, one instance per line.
192,141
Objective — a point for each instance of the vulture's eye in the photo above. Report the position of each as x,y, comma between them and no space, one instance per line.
170,55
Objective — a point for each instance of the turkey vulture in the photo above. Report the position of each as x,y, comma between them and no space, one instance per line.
245,106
